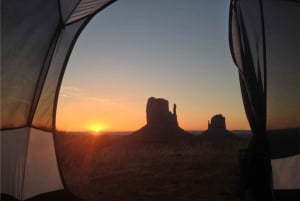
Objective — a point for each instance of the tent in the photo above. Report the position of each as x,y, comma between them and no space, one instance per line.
265,46
37,38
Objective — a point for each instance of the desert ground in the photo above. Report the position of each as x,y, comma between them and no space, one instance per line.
120,168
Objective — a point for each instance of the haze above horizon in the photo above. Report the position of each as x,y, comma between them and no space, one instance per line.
135,49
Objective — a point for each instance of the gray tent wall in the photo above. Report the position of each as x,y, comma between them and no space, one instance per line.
265,45
37,39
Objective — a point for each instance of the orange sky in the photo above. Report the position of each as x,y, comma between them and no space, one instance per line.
80,112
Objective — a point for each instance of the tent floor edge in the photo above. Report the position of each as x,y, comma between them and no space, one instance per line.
58,195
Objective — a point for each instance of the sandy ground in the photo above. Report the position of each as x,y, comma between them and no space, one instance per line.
120,169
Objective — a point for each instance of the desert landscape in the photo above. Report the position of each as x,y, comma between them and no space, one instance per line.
115,168
160,161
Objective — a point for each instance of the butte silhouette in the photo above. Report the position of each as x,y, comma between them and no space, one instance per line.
162,125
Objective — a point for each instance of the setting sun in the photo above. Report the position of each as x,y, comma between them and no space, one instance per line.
97,128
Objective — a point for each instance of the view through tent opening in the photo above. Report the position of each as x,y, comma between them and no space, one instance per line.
127,54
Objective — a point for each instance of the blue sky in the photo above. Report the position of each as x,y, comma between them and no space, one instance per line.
135,49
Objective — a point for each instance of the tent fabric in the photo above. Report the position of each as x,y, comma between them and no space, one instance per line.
285,155
44,115
13,160
249,62
289,166
84,8
36,46
26,40
37,39
41,171
283,109
247,44
264,42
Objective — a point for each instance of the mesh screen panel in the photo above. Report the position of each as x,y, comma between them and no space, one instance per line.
283,54
282,45
34,64
44,114
26,39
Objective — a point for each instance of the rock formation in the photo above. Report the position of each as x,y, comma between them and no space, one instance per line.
217,122
158,114
217,128
161,123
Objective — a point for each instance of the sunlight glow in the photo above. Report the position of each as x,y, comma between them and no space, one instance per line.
97,128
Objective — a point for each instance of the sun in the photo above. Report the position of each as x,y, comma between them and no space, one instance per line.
97,128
